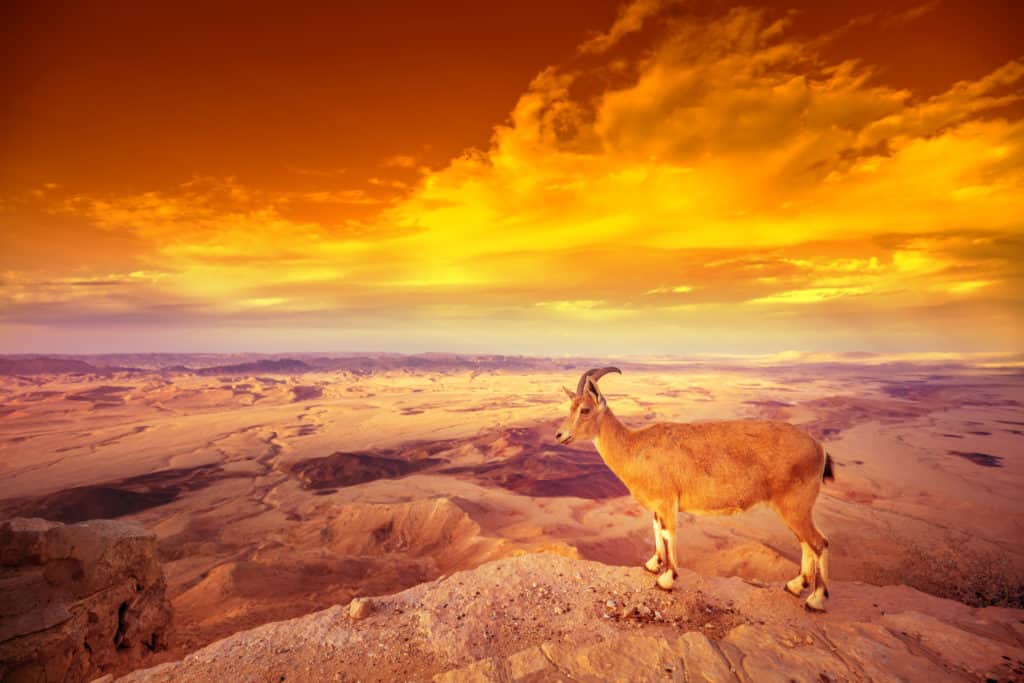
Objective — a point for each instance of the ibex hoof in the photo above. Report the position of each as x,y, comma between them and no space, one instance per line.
815,603
653,565
667,580
795,586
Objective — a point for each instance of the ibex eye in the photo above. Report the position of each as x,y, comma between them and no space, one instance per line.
584,411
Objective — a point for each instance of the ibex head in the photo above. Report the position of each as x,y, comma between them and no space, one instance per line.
587,405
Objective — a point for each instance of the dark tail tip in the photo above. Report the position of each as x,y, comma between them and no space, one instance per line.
828,474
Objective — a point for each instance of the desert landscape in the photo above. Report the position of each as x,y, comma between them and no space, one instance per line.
277,486
289,293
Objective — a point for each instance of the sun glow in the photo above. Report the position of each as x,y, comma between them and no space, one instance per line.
735,180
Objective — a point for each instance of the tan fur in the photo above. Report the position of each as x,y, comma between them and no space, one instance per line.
710,468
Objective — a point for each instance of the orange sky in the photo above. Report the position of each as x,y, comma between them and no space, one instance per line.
553,177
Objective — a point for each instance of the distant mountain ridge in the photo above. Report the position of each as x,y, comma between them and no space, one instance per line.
283,366
43,365
366,363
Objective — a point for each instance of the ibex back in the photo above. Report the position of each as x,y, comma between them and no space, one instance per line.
710,468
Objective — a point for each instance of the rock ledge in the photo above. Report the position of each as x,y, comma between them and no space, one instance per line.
78,601
543,617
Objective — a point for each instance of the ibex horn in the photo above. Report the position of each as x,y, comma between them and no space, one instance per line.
594,374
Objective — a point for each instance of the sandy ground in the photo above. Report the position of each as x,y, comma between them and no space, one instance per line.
274,495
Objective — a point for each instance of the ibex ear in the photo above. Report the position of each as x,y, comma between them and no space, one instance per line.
572,396
595,393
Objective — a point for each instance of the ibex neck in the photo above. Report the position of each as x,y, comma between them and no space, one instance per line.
612,441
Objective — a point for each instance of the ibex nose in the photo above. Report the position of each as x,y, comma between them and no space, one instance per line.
559,435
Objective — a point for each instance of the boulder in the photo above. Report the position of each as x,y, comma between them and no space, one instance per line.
79,601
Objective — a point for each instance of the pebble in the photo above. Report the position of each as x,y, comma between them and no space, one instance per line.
358,609
611,603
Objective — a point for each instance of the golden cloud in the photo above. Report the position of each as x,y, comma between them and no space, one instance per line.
729,180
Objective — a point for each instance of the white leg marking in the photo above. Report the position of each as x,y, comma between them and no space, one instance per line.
670,547
816,600
797,585
668,578
654,563
823,567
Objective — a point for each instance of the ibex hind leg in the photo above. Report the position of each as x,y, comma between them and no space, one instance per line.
802,581
814,553
816,600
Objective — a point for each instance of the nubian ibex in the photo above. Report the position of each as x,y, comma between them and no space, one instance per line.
710,468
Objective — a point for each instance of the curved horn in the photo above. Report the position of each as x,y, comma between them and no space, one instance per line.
594,374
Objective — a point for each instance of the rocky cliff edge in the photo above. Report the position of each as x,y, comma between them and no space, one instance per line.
79,600
543,617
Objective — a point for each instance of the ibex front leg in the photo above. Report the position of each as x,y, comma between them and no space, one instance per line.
667,520
653,565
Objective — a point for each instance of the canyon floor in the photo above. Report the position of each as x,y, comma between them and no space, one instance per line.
282,486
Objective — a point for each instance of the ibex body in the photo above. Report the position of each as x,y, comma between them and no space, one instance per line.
710,468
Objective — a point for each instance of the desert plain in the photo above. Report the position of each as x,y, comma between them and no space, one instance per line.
282,485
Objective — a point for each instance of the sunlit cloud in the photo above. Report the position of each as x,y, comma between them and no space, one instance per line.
970,286
630,19
812,295
678,289
728,182
400,161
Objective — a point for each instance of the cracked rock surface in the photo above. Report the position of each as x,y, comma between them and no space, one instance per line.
540,617
78,601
